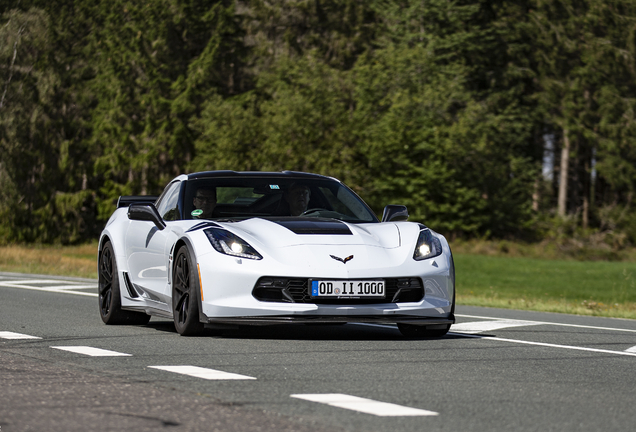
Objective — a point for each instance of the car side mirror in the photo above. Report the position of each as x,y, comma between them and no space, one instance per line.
395,213
146,212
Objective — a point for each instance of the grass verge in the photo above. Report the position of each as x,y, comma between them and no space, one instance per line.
78,261
599,288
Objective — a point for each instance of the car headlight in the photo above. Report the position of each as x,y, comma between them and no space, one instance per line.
428,246
229,244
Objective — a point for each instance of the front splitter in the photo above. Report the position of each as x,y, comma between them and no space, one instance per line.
286,319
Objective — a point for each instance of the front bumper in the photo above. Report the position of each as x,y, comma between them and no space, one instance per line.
232,289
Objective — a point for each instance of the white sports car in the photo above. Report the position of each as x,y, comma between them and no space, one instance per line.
222,248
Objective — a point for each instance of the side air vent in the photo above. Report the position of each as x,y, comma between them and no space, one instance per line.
129,287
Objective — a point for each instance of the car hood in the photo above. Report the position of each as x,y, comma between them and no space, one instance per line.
285,232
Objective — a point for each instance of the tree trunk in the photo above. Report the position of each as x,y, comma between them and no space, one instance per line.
587,191
563,174
536,194
144,179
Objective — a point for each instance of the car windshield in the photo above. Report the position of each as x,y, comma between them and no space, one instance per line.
239,198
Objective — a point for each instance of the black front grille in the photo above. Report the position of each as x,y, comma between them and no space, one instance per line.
290,290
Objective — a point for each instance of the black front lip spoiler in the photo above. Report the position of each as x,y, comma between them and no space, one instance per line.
331,319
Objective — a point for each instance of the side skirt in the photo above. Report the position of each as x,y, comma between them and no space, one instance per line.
149,310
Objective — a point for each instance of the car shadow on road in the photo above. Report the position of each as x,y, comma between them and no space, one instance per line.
351,332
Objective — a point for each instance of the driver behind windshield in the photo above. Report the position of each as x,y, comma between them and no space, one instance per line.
204,203
297,196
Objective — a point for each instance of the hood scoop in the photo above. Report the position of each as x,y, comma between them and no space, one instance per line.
313,225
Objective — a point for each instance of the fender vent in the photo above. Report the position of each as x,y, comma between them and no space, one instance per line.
129,286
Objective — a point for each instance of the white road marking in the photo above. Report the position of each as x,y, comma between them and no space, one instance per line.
11,335
60,286
553,323
90,351
367,406
31,282
69,287
547,344
496,321
481,326
375,325
472,327
199,372
89,294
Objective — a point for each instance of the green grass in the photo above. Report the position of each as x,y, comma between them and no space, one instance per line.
581,287
79,261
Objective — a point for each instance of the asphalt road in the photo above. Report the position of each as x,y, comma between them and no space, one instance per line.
499,370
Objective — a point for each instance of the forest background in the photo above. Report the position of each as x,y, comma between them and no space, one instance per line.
489,119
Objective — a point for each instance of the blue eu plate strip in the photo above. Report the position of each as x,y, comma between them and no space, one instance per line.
314,288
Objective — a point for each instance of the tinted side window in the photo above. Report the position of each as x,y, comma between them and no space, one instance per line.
167,204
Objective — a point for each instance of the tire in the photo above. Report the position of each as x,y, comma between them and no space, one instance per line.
432,331
185,295
109,295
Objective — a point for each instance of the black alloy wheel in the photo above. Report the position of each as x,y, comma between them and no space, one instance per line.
109,296
185,295
105,283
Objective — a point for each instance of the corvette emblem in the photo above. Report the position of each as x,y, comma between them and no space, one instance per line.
344,261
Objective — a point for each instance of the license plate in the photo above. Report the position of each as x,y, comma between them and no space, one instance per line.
348,288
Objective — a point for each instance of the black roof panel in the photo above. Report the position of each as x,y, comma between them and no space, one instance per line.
272,174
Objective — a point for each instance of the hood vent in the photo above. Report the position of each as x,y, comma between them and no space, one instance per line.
313,226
